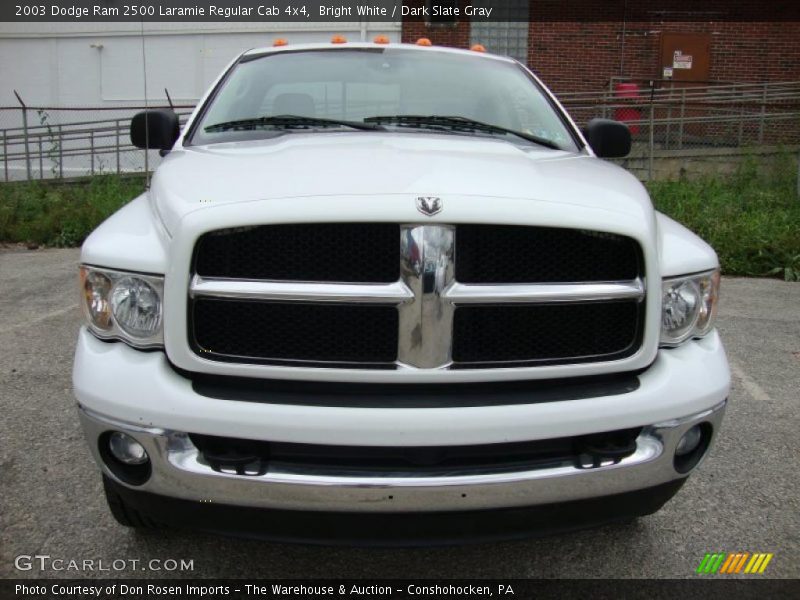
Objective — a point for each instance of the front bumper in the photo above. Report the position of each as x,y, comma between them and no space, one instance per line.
122,389
178,471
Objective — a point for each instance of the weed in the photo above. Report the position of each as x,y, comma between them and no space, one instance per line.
61,214
752,219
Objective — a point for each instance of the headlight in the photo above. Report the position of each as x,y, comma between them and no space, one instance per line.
126,306
688,306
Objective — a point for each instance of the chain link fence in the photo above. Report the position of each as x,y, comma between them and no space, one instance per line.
678,130
690,129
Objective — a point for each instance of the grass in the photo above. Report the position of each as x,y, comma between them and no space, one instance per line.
751,218
61,214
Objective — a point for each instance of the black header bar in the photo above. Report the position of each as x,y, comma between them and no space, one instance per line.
439,13
341,589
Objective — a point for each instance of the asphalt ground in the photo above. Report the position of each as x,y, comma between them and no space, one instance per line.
745,496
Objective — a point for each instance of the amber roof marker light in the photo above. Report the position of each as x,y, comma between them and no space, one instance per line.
424,42
478,48
280,42
338,39
381,39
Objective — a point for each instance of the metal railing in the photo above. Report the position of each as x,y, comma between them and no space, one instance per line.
67,142
679,126
672,123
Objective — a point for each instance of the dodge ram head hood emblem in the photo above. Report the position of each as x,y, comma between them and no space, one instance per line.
429,205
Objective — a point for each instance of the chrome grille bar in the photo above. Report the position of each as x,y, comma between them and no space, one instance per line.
460,293
297,291
427,267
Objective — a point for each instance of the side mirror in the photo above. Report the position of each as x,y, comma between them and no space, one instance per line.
608,139
155,129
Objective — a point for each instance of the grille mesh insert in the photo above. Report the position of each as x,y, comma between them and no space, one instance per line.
516,254
340,252
269,331
545,334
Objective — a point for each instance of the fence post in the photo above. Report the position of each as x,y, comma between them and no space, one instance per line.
25,134
609,98
5,153
41,160
763,115
669,122
116,128
91,149
651,141
60,152
683,116
741,124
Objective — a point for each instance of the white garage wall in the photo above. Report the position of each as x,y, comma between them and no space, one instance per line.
100,64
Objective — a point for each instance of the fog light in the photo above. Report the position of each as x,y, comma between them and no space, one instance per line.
690,441
692,447
126,449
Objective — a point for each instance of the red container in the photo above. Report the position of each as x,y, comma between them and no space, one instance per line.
624,114
626,90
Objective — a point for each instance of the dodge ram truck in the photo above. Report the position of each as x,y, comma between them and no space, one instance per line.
389,293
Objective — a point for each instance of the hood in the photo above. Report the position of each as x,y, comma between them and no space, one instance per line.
340,164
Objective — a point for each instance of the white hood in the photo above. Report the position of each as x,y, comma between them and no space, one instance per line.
298,165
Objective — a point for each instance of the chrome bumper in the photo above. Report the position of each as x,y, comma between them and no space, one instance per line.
179,472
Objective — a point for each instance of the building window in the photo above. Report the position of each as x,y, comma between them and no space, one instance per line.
507,32
442,12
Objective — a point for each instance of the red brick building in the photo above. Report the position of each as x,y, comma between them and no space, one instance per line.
579,45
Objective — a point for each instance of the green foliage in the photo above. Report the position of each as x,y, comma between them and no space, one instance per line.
61,214
752,218
54,151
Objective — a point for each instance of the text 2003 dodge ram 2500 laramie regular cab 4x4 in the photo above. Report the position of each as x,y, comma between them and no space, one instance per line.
378,292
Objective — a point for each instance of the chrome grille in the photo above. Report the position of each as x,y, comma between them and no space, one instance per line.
529,296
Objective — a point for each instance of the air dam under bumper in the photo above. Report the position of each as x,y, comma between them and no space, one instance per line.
395,529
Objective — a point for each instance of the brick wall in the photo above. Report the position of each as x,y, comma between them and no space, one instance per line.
576,55
583,56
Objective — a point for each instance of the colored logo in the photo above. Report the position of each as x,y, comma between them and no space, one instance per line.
734,562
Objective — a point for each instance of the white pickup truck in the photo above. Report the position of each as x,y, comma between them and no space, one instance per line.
390,292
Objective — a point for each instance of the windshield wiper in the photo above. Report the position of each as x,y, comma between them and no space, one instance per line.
456,123
290,122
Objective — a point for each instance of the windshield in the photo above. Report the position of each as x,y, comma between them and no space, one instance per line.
347,86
